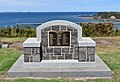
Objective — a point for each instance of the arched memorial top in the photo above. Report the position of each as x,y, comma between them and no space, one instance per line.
59,23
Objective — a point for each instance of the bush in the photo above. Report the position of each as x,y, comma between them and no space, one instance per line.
89,30
17,32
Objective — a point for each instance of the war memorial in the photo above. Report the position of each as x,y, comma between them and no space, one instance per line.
59,50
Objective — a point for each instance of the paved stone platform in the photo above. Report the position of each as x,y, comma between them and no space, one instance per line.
59,68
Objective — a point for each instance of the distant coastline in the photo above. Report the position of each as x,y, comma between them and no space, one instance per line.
103,16
108,15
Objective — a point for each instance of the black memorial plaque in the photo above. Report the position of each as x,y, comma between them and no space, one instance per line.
59,38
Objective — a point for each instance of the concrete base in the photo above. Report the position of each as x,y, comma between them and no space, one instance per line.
59,68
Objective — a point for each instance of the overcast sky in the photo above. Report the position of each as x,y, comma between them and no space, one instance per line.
59,5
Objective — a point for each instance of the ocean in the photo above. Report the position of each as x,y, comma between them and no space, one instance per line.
13,18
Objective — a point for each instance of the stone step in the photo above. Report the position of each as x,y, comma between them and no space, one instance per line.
62,68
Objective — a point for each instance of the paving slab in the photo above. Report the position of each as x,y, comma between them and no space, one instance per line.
59,68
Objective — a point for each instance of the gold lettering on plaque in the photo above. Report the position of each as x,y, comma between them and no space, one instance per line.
59,38
65,39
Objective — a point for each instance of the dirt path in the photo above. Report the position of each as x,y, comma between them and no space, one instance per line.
105,41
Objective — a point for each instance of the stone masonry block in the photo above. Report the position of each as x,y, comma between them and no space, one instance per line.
49,50
61,57
46,57
27,51
91,50
37,58
47,29
68,56
69,28
38,50
63,27
71,50
56,28
57,51
44,34
73,40
82,54
26,58
92,57
53,57
65,50
74,33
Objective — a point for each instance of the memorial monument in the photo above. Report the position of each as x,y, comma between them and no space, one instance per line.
59,50
59,40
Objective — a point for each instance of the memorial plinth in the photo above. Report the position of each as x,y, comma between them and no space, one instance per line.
59,51
60,68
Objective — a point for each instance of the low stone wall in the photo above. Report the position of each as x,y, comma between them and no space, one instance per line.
32,54
86,54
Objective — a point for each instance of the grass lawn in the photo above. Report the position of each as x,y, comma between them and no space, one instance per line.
13,39
7,58
107,48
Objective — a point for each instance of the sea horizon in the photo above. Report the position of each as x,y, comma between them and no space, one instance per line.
49,11
13,18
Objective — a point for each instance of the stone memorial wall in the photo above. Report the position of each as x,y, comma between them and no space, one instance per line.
59,40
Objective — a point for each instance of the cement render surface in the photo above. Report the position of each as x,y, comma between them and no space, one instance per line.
87,41
59,68
31,42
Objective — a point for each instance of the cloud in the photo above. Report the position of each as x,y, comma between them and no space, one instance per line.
55,5
44,3
90,1
18,2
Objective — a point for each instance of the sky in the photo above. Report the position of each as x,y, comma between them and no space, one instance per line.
59,5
